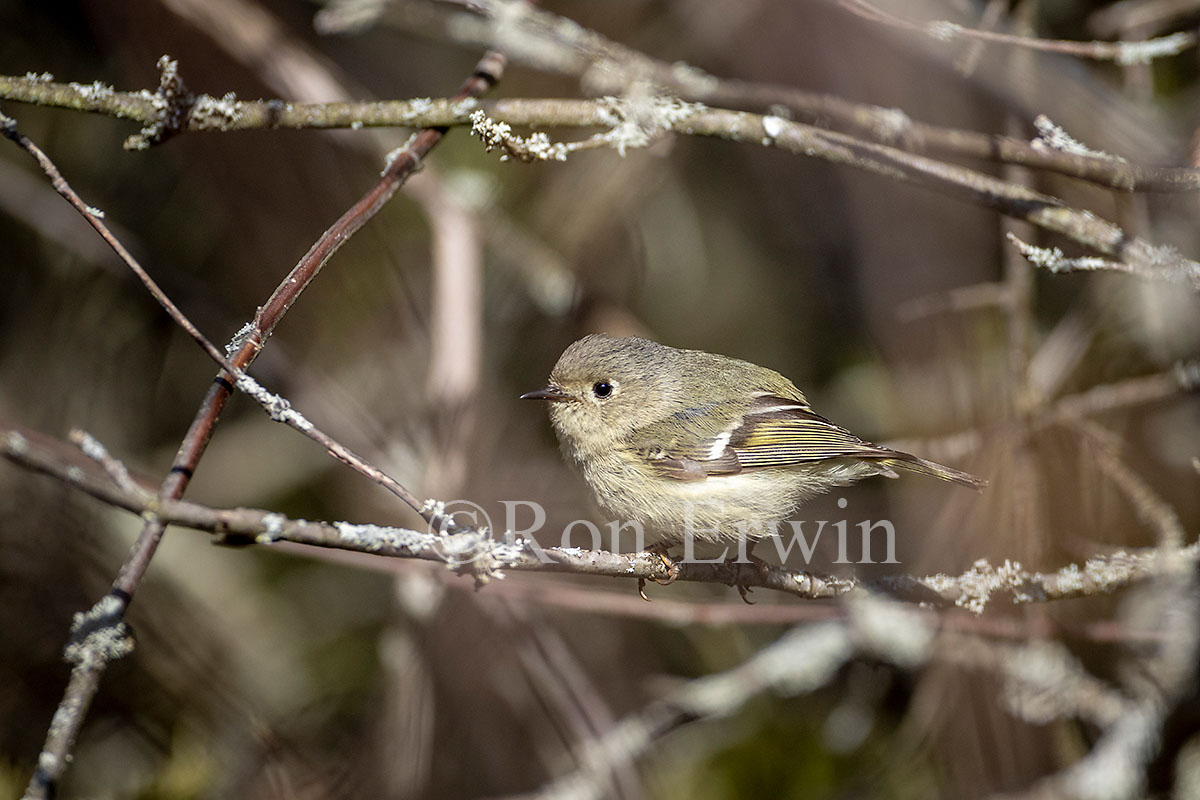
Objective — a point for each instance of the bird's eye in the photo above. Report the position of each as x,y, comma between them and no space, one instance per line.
602,389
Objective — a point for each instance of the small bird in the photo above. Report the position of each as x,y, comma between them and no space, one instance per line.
695,444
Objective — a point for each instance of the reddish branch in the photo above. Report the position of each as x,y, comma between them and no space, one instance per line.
100,635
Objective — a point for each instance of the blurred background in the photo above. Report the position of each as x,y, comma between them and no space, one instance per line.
285,672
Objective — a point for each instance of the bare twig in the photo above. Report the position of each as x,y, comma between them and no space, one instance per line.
554,674
1120,52
1149,505
95,218
1134,731
279,409
991,17
116,470
1184,377
958,300
801,661
1107,398
1046,212
1116,18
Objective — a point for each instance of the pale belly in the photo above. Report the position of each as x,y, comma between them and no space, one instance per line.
720,508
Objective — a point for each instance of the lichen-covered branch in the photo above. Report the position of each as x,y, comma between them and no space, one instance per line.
545,41
487,554
635,123
207,113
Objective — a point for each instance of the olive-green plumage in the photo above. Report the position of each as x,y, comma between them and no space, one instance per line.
692,443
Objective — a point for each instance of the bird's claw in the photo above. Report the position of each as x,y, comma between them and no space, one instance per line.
744,592
669,567
760,567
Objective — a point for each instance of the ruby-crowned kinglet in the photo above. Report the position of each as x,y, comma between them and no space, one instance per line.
695,444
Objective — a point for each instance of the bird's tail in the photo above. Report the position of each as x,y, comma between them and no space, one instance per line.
913,463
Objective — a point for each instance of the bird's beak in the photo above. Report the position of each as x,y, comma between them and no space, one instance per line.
552,393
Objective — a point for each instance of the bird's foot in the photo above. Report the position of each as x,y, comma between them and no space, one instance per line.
753,563
669,566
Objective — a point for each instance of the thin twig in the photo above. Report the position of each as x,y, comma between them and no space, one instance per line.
279,409
95,218
1045,211
1107,398
1150,507
1120,52
1114,19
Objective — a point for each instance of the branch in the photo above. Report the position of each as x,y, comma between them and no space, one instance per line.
206,113
95,218
1184,377
277,407
90,665
635,123
1045,211
486,554
1123,53
545,41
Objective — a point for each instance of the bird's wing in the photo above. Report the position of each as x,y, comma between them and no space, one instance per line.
781,433
691,444
773,432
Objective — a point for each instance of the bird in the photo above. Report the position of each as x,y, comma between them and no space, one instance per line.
695,444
